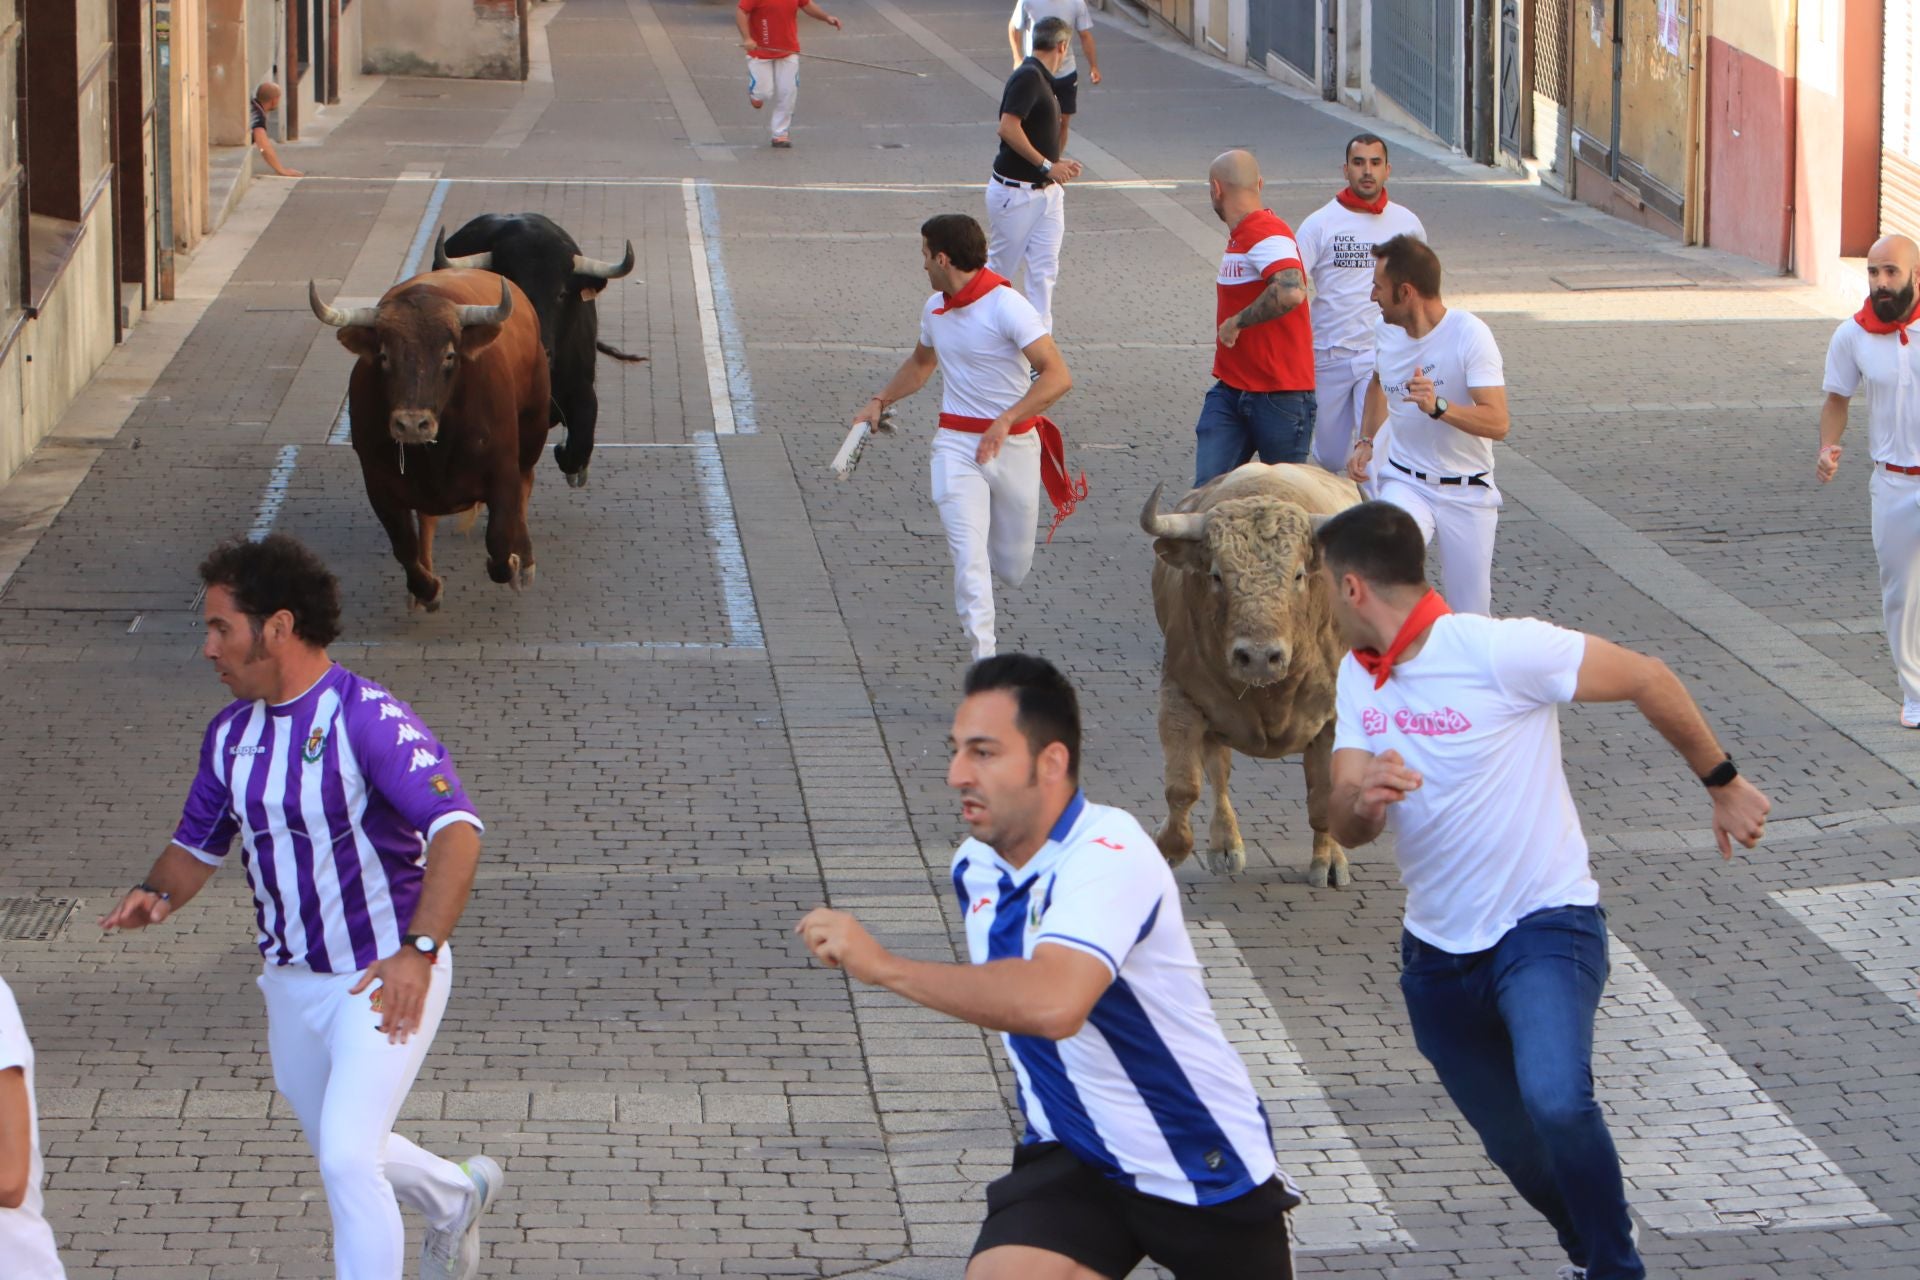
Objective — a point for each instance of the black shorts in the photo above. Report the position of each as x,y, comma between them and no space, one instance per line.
1054,1202
1067,89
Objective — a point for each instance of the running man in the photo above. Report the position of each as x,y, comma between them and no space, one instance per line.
1026,203
993,450
1336,245
26,1241
1144,1136
1448,732
770,33
1262,400
1066,81
360,847
1873,350
1440,469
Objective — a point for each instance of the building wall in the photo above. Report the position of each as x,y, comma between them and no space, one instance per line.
1750,128
461,39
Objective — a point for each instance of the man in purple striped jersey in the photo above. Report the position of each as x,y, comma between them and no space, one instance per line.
360,847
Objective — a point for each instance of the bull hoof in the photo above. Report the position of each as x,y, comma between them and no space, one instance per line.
526,576
576,479
1339,876
1225,862
431,604
513,578
1318,875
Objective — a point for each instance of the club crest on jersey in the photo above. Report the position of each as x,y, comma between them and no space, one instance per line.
316,743
440,785
1033,915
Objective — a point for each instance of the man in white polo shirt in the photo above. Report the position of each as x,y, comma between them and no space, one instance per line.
1874,349
1336,247
1439,385
1144,1136
26,1241
1448,731
994,450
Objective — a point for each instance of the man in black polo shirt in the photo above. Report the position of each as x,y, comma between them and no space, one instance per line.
1026,209
265,99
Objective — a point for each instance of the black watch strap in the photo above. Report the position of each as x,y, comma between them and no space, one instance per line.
408,941
1722,774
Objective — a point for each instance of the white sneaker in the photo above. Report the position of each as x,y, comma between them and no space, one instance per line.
454,1254
1570,1272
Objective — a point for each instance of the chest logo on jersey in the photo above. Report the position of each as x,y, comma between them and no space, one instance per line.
255,750
1105,843
316,744
1034,915
440,785
984,902
1422,724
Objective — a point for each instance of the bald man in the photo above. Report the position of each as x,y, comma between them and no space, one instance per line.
1262,400
1875,349
265,99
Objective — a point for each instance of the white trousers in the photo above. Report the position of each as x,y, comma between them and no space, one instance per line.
989,514
1896,544
1458,529
1340,389
1025,229
346,1084
776,82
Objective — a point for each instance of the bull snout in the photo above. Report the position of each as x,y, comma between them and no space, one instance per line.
414,426
1259,661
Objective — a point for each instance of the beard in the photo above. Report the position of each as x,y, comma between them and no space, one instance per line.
1893,307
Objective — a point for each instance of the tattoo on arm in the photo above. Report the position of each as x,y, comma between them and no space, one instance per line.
1285,292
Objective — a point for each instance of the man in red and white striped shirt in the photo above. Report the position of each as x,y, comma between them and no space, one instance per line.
993,450
1263,400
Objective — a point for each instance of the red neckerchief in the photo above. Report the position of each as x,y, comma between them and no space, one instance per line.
1377,664
975,289
1348,200
1872,323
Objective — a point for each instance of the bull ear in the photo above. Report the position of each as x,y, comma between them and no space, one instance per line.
475,338
1184,554
361,339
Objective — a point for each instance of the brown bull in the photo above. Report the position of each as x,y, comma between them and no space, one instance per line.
449,410
1250,648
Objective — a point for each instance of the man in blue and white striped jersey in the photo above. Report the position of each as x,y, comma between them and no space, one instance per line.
1144,1136
360,847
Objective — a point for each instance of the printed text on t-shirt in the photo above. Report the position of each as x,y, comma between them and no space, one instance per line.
1425,724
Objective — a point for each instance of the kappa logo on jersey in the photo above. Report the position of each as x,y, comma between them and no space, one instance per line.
316,743
422,759
391,711
1373,721
372,695
408,734
984,902
255,750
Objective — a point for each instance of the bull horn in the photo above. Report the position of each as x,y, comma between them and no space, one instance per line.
468,261
339,317
585,266
1181,526
476,315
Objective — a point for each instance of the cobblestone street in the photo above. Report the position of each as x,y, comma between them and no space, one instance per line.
727,698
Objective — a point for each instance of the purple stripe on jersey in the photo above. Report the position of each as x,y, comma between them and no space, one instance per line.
256,810
403,882
346,857
303,855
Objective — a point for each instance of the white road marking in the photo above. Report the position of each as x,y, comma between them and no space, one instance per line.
1346,1208
730,559
275,494
1872,926
711,296
1703,1146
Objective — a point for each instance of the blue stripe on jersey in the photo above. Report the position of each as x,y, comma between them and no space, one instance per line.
1147,928
1068,816
1094,947
960,886
1194,1137
1003,939
1072,1126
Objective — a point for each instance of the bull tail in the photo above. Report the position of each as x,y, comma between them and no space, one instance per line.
610,350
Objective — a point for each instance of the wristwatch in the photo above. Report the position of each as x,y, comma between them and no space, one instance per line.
1722,774
1046,166
1440,407
423,944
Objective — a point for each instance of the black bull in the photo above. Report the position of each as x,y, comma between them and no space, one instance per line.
538,255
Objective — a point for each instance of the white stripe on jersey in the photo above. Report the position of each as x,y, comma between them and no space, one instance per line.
313,811
373,874
239,774
286,862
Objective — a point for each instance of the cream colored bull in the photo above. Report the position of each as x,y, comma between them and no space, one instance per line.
1250,649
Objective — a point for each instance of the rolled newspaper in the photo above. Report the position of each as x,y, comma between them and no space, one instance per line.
856,442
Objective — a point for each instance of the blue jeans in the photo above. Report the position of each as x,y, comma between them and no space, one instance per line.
1236,424
1510,1032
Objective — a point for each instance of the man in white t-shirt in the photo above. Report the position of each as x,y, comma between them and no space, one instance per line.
1873,349
1144,1137
26,1241
1066,79
1439,385
1448,731
994,450
1336,246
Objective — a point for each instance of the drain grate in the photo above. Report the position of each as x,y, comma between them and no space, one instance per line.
35,919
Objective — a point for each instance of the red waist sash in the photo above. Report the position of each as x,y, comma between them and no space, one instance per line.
1062,490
